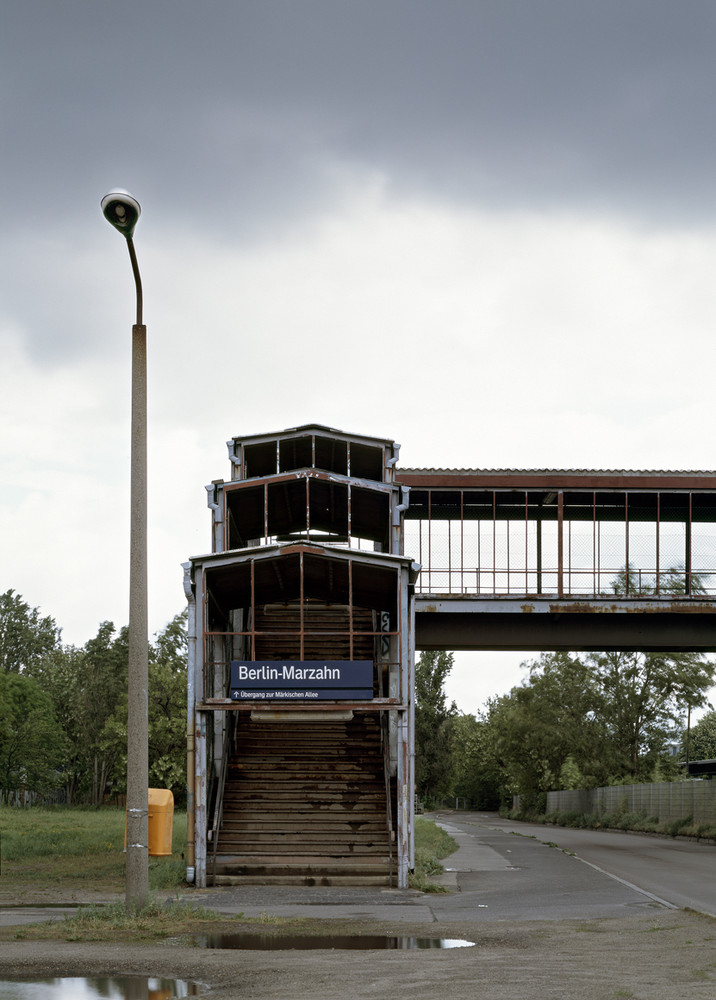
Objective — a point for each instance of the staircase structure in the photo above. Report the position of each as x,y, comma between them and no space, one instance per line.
305,804
301,667
303,620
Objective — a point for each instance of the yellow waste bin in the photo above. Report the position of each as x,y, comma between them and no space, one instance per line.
161,819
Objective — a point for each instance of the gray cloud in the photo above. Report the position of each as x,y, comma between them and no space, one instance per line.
236,105
503,341
232,119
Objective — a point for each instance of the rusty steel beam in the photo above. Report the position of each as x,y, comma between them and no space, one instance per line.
578,626
536,479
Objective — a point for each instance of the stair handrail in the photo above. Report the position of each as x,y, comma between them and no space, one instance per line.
385,739
219,803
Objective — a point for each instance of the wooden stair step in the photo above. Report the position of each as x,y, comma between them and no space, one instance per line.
316,787
293,864
327,805
261,824
305,803
296,851
345,841
307,880
323,805
284,755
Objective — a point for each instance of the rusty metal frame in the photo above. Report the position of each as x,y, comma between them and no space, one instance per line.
346,462
575,576
221,494
398,704
238,446
209,637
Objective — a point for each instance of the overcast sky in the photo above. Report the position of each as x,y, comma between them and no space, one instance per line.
483,228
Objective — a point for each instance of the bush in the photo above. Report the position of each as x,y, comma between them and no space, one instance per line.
621,820
705,831
675,826
631,820
526,815
569,817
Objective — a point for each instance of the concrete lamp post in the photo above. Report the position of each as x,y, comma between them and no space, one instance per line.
123,211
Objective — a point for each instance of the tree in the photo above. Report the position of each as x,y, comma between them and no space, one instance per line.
167,707
476,774
674,580
87,685
85,691
644,696
104,671
25,637
167,714
549,722
433,729
60,675
604,719
702,741
31,739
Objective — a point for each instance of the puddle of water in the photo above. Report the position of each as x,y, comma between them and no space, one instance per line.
306,942
81,988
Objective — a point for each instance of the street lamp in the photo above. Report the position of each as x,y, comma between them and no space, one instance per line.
123,211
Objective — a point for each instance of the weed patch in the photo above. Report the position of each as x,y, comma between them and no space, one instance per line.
431,844
638,822
112,922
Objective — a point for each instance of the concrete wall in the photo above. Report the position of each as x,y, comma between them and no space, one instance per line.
666,800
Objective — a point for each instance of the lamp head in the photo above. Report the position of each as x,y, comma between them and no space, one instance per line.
122,211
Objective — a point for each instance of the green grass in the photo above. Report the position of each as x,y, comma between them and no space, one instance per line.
155,922
431,844
74,848
56,830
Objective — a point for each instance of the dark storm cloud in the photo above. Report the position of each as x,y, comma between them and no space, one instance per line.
237,117
235,110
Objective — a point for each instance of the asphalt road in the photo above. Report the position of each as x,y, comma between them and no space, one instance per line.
678,873
506,871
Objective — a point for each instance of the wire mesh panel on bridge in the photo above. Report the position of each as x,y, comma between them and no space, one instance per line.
560,543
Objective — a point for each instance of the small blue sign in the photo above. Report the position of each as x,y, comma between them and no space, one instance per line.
301,680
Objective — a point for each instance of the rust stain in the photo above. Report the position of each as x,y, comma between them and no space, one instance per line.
631,608
527,608
293,547
580,608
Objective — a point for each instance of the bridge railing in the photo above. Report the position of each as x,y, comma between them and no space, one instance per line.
587,544
604,583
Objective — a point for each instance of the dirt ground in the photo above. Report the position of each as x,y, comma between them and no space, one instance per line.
662,955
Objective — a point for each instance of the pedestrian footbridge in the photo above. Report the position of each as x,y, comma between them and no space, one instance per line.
330,565
562,559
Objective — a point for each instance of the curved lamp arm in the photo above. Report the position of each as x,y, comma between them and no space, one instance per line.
122,211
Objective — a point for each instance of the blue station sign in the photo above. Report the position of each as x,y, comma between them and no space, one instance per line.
304,680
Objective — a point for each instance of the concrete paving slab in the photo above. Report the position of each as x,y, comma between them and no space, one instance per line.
329,902
11,916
